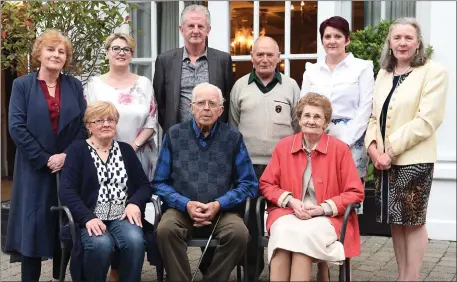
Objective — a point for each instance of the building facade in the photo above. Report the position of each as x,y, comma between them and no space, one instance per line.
294,25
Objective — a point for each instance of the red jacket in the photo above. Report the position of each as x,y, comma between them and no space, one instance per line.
335,178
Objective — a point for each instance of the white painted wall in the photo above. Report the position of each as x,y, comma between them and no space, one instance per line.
441,217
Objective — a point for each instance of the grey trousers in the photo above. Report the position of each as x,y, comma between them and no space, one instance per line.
175,227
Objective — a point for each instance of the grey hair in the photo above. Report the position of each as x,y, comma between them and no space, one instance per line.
208,86
388,60
196,9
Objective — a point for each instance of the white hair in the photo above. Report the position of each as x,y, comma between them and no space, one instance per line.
196,9
205,86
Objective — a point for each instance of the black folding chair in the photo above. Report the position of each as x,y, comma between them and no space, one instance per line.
201,242
344,269
67,245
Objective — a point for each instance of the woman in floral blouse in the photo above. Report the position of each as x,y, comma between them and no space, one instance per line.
133,97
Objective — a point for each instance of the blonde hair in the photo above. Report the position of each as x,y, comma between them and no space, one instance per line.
100,109
315,100
388,60
124,36
48,37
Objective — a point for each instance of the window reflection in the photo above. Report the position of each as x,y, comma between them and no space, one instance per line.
141,19
241,27
297,68
272,21
142,69
303,27
240,69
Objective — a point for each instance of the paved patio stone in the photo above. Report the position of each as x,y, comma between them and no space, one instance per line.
376,263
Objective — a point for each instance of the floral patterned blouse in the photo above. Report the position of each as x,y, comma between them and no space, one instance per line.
137,111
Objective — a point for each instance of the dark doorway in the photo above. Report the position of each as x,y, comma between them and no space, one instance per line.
10,146
367,220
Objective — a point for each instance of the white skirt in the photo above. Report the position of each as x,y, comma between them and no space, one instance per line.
315,237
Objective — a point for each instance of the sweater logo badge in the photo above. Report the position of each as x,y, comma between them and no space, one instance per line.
278,109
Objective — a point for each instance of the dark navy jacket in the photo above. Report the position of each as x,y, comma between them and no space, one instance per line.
79,189
32,226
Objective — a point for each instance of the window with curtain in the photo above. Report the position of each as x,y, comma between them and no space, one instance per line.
167,26
365,13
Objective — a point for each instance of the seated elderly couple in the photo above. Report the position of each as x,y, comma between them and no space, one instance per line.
203,171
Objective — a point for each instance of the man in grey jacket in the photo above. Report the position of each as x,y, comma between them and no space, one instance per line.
178,71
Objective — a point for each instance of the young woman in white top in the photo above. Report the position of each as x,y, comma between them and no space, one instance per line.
133,97
348,82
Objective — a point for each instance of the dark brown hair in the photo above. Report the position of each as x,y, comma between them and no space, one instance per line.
337,22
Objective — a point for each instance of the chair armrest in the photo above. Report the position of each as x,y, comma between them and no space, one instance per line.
247,207
157,211
349,208
71,222
260,214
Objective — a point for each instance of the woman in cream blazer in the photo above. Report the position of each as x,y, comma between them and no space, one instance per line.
408,108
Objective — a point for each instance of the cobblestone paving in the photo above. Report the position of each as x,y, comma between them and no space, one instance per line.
376,263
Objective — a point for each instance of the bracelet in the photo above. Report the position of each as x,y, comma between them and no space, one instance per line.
136,144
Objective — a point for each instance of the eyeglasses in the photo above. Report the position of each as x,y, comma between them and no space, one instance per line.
203,103
118,49
309,117
102,121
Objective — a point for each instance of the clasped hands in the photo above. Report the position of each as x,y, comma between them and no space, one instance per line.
55,162
303,211
202,214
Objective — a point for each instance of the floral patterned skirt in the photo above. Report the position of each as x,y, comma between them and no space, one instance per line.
337,128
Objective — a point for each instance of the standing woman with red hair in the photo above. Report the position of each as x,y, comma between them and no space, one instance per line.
45,116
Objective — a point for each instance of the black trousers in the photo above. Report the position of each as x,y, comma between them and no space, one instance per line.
31,266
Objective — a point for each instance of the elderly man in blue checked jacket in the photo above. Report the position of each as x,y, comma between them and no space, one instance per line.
203,169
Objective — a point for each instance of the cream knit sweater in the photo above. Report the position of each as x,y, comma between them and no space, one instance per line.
264,119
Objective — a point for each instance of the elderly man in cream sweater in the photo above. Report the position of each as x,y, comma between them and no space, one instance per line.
262,108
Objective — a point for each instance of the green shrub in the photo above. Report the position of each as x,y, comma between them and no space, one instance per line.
86,23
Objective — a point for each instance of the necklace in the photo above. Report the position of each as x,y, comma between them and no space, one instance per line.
104,150
51,86
406,70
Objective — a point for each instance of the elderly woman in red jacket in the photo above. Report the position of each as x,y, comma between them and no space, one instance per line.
309,182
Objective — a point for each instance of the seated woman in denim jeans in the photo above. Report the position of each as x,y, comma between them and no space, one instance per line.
106,189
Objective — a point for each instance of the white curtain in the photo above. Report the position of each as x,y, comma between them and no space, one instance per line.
372,12
167,25
394,10
398,9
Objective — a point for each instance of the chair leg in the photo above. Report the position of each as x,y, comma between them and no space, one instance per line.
245,270
159,271
257,262
238,273
348,269
341,274
63,266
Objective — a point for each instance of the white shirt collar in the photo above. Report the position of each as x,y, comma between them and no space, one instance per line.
347,61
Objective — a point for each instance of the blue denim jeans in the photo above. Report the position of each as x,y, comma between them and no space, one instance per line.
98,250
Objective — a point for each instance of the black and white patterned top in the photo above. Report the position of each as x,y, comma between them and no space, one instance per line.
112,177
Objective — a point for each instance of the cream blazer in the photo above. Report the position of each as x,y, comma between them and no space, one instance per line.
415,112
